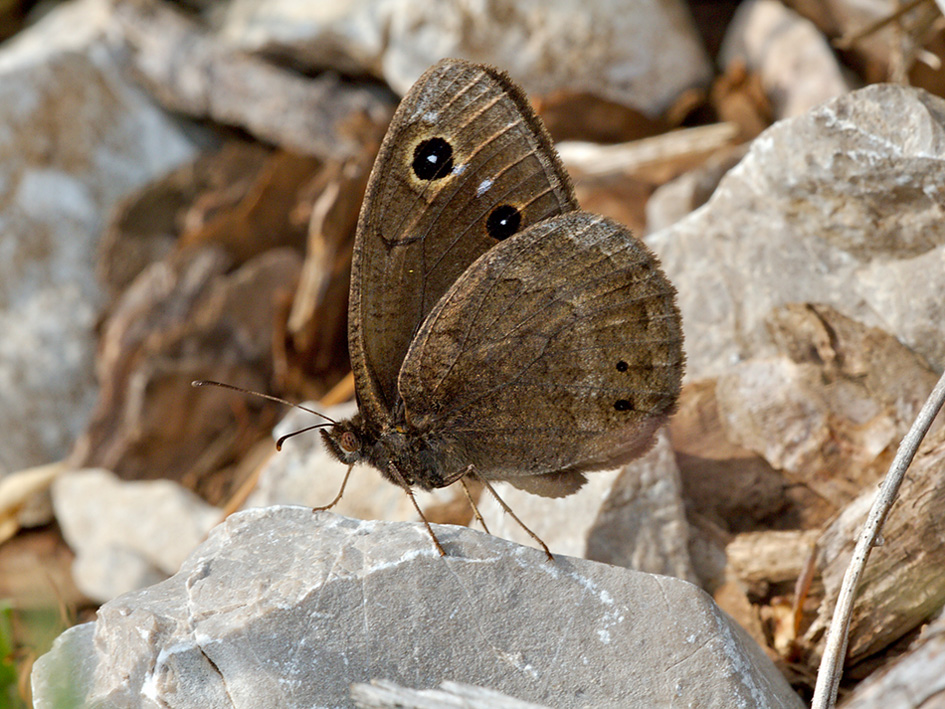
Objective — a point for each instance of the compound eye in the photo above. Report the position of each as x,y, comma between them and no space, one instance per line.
348,442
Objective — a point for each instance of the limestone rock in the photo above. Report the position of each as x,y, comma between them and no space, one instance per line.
77,136
832,411
285,608
642,523
842,206
797,67
675,199
614,50
127,535
190,70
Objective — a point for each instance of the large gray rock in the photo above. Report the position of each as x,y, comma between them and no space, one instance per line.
844,205
285,608
76,136
642,522
611,48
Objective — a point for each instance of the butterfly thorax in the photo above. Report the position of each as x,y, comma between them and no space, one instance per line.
402,455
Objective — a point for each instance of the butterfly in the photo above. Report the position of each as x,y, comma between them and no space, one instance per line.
495,330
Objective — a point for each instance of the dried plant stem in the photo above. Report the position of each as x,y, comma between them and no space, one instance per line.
831,664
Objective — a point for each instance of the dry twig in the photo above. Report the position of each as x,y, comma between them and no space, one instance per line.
831,664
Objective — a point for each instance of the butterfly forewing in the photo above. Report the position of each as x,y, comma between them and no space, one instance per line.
567,331
465,165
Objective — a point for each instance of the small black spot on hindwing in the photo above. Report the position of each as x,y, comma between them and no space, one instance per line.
503,222
623,405
432,159
622,366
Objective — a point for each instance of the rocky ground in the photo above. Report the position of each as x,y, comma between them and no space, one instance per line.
179,189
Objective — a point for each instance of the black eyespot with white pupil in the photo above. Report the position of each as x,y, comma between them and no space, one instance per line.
503,222
432,159
622,366
623,405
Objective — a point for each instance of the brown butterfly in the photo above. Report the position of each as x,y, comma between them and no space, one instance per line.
496,331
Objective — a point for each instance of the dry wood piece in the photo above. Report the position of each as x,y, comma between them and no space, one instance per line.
262,217
740,99
144,226
317,324
769,557
185,319
665,155
916,680
579,115
36,573
904,583
18,491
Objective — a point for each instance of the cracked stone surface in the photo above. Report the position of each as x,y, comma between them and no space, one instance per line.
281,607
842,206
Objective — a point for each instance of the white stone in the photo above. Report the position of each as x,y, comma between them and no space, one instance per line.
304,473
562,523
843,206
797,67
127,535
76,136
613,48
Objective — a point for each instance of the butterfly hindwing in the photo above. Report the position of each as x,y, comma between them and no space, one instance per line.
568,331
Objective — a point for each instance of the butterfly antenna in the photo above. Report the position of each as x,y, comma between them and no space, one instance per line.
287,436
208,382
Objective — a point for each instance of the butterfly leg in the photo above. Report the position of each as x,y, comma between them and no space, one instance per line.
338,496
472,471
472,503
403,483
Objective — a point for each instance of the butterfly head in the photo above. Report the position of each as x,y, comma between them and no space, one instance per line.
345,440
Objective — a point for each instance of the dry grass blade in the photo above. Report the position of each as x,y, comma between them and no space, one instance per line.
831,665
